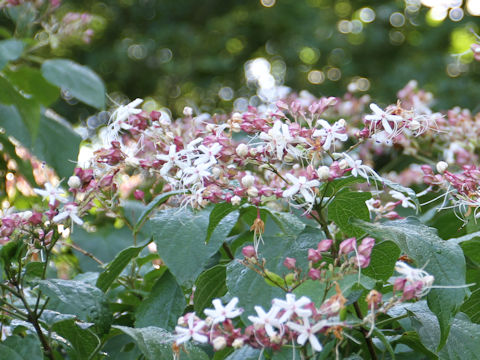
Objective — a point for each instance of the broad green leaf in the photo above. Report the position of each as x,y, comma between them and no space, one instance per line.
383,258
83,341
78,298
412,340
334,186
244,353
442,259
10,50
30,81
218,213
210,284
157,201
156,343
105,243
34,269
80,81
471,306
289,223
250,287
23,348
27,108
346,205
24,166
50,317
115,268
180,238
314,290
462,342
163,306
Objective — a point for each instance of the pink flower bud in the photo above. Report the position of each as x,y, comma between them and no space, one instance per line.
314,274
249,252
36,218
347,246
325,245
314,255
366,246
289,263
139,194
399,284
361,261
409,292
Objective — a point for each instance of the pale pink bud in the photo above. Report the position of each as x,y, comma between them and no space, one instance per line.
347,246
249,251
314,274
325,245
289,263
314,255
409,292
139,194
366,246
399,284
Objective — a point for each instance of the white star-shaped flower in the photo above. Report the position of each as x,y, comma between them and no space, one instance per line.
278,138
331,132
292,306
220,313
267,320
301,185
385,118
406,201
70,210
307,332
52,193
193,331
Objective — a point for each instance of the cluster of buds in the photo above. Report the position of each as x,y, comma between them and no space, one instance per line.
362,253
413,283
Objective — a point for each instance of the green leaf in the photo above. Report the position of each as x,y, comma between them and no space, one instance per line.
30,81
348,204
412,340
10,50
27,109
156,343
180,238
244,353
80,81
115,268
78,298
462,342
218,213
250,287
24,166
22,348
336,185
157,201
442,259
210,284
383,258
83,341
163,306
471,306
105,243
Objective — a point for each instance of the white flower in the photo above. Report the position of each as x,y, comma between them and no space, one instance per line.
292,306
307,332
69,211
385,118
171,159
209,153
191,332
124,111
406,201
267,320
194,174
278,137
331,132
53,193
220,313
301,185
358,169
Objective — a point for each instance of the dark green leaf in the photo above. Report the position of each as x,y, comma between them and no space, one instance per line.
244,353
157,201
80,299
163,306
442,259
180,238
210,284
156,343
31,82
80,81
346,205
10,50
83,341
383,258
218,213
471,306
336,185
115,268
24,348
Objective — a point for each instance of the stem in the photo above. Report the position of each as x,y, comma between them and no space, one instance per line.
19,315
84,252
228,251
364,331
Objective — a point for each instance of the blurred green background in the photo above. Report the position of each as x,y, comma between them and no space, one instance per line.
190,52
